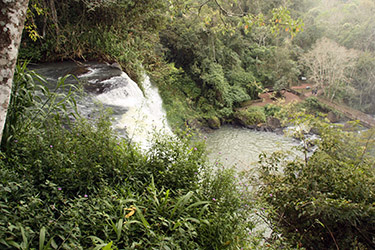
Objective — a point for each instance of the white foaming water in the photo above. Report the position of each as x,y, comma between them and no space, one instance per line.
124,92
144,115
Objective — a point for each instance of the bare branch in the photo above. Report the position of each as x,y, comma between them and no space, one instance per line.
201,6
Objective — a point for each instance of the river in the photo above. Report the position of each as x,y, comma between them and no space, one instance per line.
241,147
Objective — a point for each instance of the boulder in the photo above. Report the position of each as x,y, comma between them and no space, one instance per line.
194,124
263,127
273,123
332,117
214,122
249,117
79,70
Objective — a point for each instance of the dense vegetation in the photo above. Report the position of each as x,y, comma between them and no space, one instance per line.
325,201
69,182
73,183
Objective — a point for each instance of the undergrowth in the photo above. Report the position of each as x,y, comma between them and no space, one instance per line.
72,183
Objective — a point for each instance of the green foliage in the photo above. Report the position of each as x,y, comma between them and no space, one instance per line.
28,106
310,107
325,200
228,63
229,212
349,24
95,30
272,110
250,116
179,94
78,185
215,85
313,106
165,162
363,97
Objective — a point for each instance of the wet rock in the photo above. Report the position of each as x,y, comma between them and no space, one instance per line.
79,70
273,123
332,117
116,65
262,127
249,126
214,122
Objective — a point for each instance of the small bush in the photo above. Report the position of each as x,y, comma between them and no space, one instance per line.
313,106
271,110
250,116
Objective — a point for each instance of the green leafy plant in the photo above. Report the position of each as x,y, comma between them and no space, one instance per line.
325,200
32,102
250,116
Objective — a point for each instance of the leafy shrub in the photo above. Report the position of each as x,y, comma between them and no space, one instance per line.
178,95
176,161
250,116
237,95
271,110
95,30
232,202
33,103
312,105
325,201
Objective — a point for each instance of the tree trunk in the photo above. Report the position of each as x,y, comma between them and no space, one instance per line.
12,18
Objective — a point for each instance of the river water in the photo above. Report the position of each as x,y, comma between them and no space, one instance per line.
241,147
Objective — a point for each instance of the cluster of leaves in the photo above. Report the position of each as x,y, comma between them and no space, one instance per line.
325,201
122,31
32,99
221,59
78,185
251,116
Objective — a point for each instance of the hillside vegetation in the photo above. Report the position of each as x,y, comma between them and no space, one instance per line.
73,183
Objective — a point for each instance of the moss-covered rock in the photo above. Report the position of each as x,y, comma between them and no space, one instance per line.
250,117
213,122
333,117
273,123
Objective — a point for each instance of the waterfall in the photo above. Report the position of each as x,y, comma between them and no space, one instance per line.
123,92
139,113
144,112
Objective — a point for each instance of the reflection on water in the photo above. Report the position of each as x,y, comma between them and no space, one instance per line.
241,146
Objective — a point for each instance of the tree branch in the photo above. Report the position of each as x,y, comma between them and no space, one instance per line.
227,13
201,6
